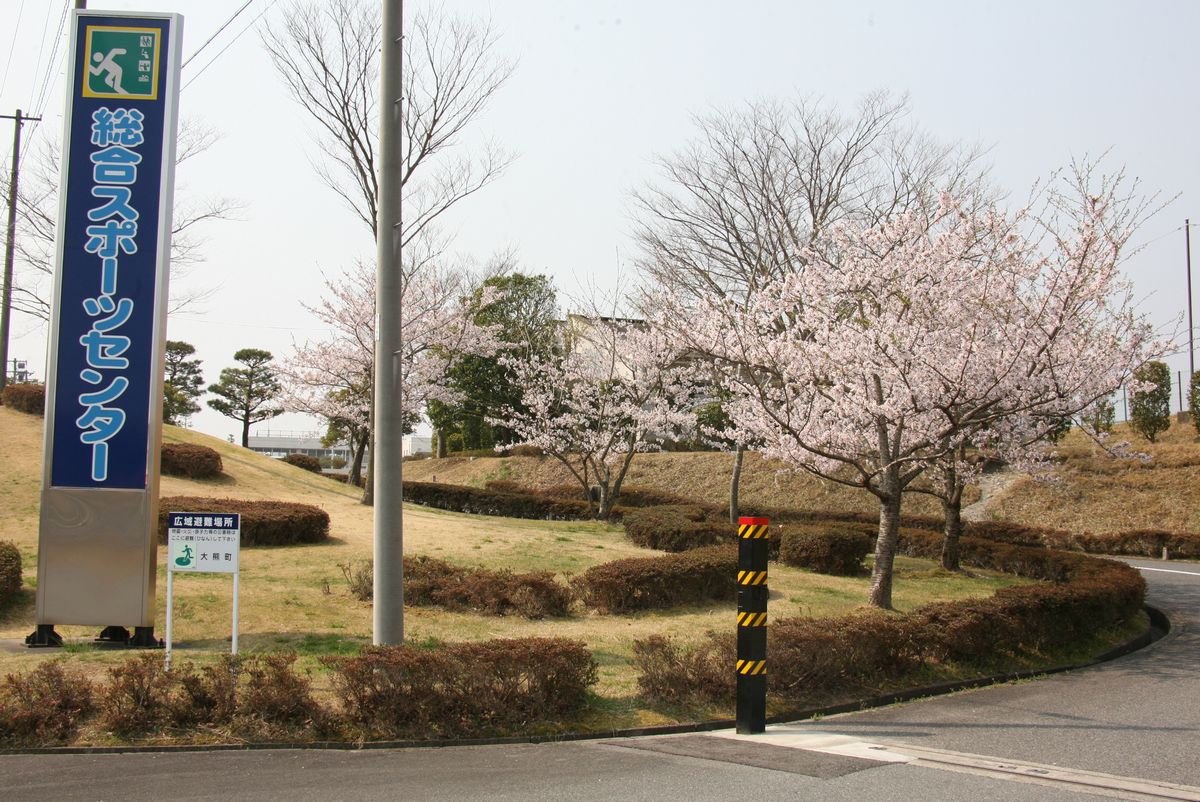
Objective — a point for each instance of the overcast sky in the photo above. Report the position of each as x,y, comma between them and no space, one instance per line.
602,86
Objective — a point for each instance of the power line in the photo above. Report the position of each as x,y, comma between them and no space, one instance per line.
51,76
11,47
224,25
261,14
37,66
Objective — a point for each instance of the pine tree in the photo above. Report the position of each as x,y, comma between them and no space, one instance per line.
245,393
183,382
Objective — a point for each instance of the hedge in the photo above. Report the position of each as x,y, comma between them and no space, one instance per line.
10,571
28,397
461,690
819,659
644,583
492,502
304,461
192,461
430,582
675,528
264,523
827,549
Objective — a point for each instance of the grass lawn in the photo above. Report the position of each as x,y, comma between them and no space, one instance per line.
296,597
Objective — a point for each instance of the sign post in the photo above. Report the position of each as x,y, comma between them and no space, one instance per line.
97,542
204,543
754,534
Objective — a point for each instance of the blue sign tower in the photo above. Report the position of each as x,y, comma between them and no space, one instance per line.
97,540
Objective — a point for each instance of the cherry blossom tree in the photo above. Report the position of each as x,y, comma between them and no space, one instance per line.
1085,334
615,389
333,377
899,342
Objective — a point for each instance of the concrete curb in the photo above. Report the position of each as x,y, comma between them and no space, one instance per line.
1160,625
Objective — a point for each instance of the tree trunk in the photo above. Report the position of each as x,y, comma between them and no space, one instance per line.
734,481
246,432
885,545
440,438
951,531
354,476
368,498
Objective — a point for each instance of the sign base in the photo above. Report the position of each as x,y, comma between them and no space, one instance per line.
44,637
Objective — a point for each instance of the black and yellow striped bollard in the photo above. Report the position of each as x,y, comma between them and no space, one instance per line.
753,536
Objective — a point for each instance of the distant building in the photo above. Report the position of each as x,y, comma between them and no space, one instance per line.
279,444
416,444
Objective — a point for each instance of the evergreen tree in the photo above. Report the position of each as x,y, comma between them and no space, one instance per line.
1150,408
1194,401
245,393
183,382
522,311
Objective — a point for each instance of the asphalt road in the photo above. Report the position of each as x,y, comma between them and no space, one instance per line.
1137,717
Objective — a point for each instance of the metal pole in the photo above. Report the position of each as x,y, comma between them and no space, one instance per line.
389,420
170,606
1187,236
10,245
1125,403
233,648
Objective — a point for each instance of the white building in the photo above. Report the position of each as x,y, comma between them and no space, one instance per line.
416,444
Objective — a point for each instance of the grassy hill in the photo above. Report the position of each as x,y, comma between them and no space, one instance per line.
1093,491
699,475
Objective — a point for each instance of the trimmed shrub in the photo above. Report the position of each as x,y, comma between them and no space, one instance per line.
30,398
137,698
645,583
675,528
44,705
264,523
491,502
304,461
275,694
816,660
829,549
192,461
526,451
463,690
10,571
207,695
429,582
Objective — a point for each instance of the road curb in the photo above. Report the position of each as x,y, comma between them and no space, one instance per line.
1160,625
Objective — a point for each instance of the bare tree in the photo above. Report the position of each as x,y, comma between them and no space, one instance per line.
739,205
37,215
328,55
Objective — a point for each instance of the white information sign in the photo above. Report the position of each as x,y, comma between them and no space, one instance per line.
202,542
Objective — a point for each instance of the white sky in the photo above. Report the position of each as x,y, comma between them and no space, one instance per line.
604,85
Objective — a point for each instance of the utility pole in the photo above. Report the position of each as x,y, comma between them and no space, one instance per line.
1187,237
10,243
389,417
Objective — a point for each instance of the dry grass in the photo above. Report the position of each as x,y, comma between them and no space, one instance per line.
1097,493
699,475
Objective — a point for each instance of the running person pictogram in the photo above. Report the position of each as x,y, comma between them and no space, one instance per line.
108,64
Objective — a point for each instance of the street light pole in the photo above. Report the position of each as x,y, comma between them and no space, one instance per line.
389,416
